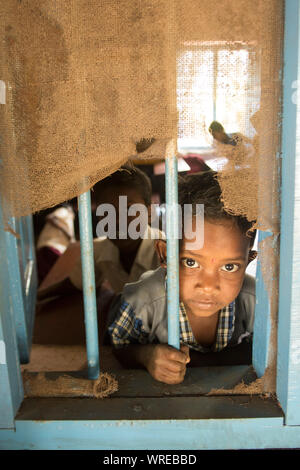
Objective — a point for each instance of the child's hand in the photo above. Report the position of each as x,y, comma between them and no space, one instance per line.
167,364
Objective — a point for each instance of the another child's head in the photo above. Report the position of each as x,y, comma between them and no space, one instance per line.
217,131
127,181
211,277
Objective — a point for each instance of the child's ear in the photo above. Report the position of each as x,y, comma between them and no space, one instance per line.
161,250
252,256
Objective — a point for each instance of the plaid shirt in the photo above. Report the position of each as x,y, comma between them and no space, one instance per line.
128,329
224,330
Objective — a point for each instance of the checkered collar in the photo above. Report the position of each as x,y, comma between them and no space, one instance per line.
224,330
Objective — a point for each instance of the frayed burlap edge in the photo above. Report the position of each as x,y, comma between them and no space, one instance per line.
257,387
105,385
39,385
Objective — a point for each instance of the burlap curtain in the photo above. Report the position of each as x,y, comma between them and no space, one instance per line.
87,79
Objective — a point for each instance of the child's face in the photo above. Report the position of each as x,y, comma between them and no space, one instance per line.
212,277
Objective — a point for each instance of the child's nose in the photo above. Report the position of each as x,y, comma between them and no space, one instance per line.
208,281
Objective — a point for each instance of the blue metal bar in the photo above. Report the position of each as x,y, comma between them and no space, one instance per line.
22,284
172,251
88,282
262,320
11,386
288,351
17,297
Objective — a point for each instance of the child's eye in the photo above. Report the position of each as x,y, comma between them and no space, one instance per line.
189,263
230,268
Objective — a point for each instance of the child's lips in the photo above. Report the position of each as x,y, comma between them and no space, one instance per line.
204,304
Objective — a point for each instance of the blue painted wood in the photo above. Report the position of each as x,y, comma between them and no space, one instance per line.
262,322
11,387
172,251
23,281
288,359
212,434
88,282
16,287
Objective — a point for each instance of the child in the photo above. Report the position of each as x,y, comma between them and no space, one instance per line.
217,299
118,261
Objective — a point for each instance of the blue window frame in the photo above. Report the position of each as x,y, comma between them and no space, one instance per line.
288,349
10,374
83,424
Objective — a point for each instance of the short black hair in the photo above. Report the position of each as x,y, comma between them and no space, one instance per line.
127,175
203,188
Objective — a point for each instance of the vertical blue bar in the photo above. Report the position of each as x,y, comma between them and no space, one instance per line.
262,320
22,276
88,282
16,291
288,357
172,251
11,386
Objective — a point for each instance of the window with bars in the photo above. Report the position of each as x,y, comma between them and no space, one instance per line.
252,424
